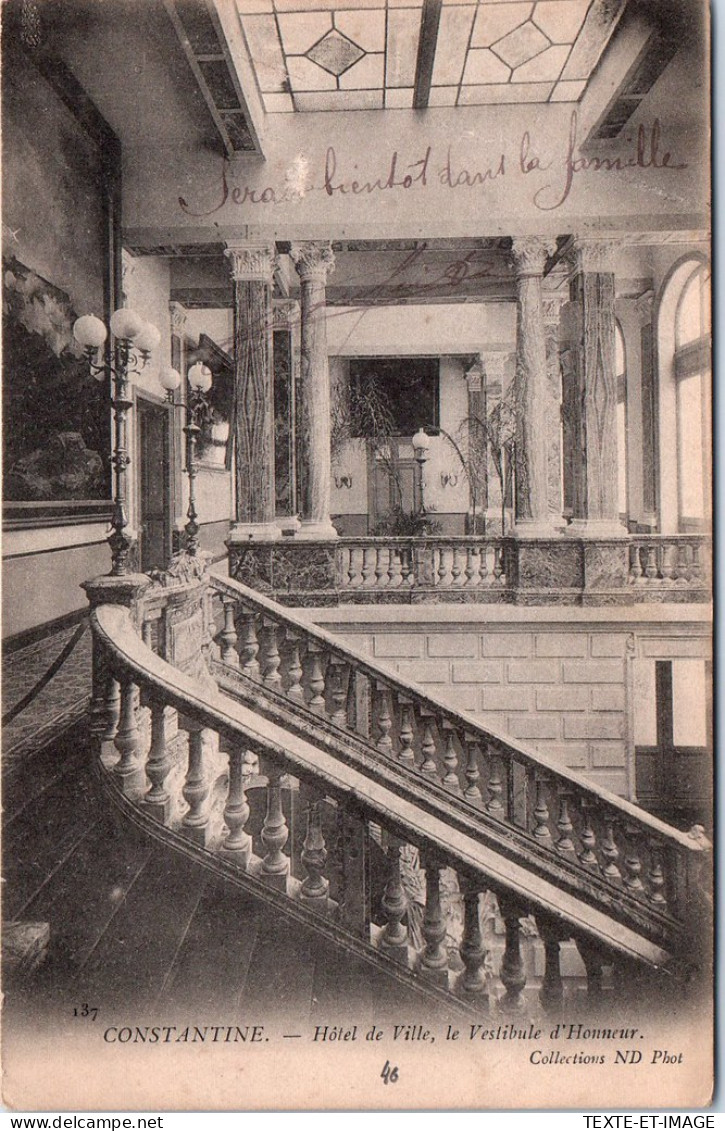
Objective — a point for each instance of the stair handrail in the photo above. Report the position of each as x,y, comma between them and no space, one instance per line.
130,662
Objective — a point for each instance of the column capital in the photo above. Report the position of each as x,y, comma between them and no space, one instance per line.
644,305
594,253
251,261
474,376
530,254
178,315
313,259
493,365
285,314
551,304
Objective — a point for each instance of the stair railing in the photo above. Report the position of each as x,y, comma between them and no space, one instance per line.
548,819
185,765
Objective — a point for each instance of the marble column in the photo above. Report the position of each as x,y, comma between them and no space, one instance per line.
551,305
494,365
252,266
477,447
178,318
532,515
648,392
590,328
286,331
313,260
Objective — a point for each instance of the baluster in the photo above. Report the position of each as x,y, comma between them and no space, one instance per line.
113,708
473,980
147,632
588,838
635,566
275,865
565,844
498,574
294,670
456,568
406,754
683,567
495,804
196,788
344,560
656,877
354,573
695,564
434,959
317,680
593,960
270,655
157,801
127,736
229,638
249,646
384,720
444,574
551,994
450,761
470,570
472,791
650,569
394,936
314,856
382,567
368,565
485,575
609,850
542,832
237,843
513,972
338,694
428,748
395,569
632,863
406,565
669,563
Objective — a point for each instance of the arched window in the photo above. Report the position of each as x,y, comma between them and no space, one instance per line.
692,383
621,378
684,417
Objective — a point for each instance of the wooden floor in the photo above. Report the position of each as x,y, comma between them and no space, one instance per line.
139,931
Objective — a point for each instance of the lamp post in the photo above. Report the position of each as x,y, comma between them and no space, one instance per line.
200,380
134,341
421,444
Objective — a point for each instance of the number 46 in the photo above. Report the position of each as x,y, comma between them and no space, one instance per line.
389,1075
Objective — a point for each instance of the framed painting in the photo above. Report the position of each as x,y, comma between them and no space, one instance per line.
61,178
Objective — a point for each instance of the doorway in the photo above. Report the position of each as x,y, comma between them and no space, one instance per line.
154,477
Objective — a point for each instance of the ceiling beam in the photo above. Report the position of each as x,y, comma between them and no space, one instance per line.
430,22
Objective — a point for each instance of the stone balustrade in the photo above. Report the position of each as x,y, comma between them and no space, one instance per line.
406,806
493,570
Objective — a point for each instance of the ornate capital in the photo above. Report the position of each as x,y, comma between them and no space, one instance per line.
643,305
285,314
313,259
474,376
551,304
594,254
530,254
251,261
494,366
178,315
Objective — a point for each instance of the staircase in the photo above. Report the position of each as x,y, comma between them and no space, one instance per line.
351,810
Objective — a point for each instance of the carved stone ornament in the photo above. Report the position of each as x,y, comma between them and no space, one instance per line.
285,315
551,305
530,254
493,364
184,569
644,305
251,261
474,376
594,254
178,315
314,259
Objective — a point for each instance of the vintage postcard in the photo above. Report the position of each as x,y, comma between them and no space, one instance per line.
357,555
